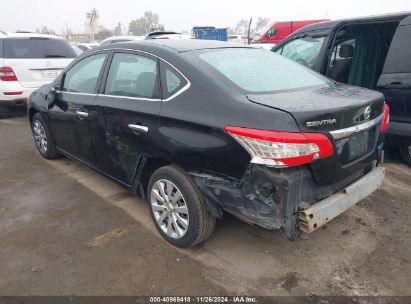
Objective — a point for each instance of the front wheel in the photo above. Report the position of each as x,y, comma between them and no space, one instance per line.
42,138
405,150
178,208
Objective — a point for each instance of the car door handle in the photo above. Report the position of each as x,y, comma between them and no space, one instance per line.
138,128
82,114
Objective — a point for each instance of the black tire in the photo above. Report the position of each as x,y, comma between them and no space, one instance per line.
5,111
201,222
50,152
405,150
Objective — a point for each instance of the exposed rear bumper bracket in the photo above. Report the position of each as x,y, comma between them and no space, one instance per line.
324,211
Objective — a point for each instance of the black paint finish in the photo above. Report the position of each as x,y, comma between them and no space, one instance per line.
187,130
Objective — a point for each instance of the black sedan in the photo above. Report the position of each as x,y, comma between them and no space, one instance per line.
201,128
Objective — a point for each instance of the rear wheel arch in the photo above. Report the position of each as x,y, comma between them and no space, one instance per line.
148,167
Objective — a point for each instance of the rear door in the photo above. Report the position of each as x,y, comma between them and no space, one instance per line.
37,60
395,80
128,107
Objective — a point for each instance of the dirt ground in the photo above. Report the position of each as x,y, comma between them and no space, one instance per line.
66,230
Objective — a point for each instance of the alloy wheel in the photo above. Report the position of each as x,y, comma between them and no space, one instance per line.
169,208
40,136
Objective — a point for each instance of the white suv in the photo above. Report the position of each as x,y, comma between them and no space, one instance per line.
28,61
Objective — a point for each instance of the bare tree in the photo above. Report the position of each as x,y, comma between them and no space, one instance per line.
45,30
261,24
92,22
118,30
242,27
144,24
67,32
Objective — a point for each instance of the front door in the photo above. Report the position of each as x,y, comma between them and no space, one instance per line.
128,105
70,119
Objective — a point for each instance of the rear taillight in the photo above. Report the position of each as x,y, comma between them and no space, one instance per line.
385,119
282,149
7,74
12,93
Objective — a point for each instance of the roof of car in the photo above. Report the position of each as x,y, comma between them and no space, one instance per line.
180,45
131,37
27,35
331,24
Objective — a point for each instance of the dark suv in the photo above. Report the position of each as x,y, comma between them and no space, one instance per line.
371,52
200,128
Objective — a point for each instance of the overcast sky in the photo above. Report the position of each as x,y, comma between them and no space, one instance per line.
181,14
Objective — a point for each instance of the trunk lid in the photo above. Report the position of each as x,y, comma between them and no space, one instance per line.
349,116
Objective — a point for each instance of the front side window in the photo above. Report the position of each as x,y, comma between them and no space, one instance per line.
83,76
303,50
132,75
258,70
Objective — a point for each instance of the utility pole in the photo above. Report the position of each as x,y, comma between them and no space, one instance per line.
249,29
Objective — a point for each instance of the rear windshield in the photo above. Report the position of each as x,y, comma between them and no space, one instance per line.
258,71
37,48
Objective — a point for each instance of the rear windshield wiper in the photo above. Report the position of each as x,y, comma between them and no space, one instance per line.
55,56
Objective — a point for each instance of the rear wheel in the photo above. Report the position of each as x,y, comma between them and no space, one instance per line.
42,138
178,208
405,150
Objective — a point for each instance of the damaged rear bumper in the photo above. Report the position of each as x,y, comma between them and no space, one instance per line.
324,211
273,198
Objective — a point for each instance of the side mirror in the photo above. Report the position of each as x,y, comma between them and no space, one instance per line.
52,96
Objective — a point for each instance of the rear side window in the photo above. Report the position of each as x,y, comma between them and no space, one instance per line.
258,70
172,81
83,76
29,48
398,57
133,76
304,50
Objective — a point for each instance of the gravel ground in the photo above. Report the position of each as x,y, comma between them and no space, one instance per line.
66,230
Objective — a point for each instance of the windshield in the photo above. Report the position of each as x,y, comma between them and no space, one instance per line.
34,48
258,71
